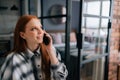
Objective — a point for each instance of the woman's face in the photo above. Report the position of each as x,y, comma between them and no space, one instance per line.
33,32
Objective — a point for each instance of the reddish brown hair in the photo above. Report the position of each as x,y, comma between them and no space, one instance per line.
20,44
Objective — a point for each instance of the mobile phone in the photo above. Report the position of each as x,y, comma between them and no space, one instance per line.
46,40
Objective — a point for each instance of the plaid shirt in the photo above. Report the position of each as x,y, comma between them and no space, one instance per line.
20,67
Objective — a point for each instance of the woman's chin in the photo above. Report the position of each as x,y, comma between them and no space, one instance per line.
40,42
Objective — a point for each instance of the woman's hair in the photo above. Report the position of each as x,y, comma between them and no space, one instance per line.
20,43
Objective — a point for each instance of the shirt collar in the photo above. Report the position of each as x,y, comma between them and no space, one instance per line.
29,53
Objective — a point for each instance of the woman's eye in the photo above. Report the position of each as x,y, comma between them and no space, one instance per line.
33,29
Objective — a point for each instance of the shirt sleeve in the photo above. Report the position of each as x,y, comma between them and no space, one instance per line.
59,71
6,69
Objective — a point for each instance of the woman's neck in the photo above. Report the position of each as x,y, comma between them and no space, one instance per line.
33,47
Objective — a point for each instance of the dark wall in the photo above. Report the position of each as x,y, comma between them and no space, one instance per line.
74,18
47,23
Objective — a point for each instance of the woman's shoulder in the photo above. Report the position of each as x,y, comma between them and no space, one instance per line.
8,60
9,56
17,57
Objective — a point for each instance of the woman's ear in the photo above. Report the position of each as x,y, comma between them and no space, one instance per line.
22,35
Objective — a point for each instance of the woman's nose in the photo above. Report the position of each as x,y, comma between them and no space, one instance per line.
40,31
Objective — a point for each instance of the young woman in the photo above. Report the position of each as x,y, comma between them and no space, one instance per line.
31,58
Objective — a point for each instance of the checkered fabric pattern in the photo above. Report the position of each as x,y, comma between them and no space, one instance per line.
18,66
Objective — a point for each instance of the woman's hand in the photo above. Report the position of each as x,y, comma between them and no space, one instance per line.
51,50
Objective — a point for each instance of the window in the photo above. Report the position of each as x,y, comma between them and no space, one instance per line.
94,26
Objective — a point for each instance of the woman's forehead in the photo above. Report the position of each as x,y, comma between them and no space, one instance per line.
33,22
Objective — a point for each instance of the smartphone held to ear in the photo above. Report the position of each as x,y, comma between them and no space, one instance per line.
46,40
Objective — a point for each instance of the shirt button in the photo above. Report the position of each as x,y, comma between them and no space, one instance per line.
40,76
38,65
